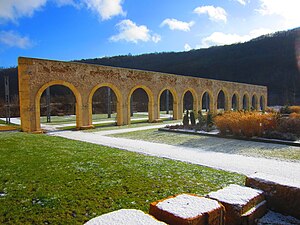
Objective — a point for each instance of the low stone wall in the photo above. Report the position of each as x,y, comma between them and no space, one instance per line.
282,195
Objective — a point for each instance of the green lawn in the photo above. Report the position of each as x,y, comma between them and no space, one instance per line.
52,180
231,146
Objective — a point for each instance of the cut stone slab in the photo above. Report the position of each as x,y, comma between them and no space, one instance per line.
240,203
252,215
187,209
282,194
277,219
125,217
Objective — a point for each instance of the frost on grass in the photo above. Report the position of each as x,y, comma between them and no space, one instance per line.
235,194
125,216
188,206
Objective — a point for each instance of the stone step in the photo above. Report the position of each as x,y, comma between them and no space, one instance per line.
237,200
125,217
251,216
281,193
187,209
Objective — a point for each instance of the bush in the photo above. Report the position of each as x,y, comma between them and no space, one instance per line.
289,125
294,115
192,118
185,120
295,109
285,110
246,123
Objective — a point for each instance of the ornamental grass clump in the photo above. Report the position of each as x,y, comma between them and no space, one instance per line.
247,124
295,109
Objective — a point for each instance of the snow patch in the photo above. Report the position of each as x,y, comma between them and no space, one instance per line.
277,219
124,217
235,194
188,206
267,178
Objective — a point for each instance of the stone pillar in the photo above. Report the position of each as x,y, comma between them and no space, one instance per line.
180,109
27,106
82,116
227,103
156,112
126,112
175,110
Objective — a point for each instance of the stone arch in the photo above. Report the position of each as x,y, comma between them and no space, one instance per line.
235,101
150,102
119,102
246,101
262,103
195,99
254,101
226,104
211,100
175,102
63,83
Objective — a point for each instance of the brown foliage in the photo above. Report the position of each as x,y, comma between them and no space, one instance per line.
246,123
295,109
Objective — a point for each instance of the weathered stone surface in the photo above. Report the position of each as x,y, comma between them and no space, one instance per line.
282,194
125,217
252,215
35,75
237,200
187,209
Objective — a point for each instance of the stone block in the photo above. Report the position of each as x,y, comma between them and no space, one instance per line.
125,217
237,201
187,209
282,194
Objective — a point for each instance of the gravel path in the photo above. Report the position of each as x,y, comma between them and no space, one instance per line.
230,162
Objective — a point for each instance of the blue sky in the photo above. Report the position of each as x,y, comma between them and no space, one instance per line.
77,29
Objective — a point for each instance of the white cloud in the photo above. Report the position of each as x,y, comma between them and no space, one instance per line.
14,9
187,47
243,2
219,38
130,32
215,13
288,10
12,39
156,38
105,8
177,25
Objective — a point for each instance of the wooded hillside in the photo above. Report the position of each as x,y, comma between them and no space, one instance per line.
269,60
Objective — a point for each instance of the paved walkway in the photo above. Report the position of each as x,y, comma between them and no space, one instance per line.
230,162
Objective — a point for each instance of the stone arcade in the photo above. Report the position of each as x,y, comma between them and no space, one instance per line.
36,75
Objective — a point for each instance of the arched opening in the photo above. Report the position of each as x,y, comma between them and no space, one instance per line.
245,102
140,107
262,103
58,103
254,102
234,103
206,101
166,104
221,102
104,107
188,101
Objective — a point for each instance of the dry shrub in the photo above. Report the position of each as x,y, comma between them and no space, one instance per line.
294,115
246,123
289,125
295,109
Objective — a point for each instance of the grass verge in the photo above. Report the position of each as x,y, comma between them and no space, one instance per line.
52,180
231,146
